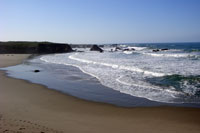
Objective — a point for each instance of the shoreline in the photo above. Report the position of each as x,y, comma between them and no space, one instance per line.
89,90
22,100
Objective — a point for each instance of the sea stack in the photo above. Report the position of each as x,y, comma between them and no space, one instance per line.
96,48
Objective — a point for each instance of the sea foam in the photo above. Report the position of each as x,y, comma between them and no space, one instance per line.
129,73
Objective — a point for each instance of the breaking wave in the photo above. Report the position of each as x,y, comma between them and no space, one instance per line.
141,75
129,68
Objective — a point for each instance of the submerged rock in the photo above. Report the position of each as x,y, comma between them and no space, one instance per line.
155,50
164,49
96,48
117,48
129,49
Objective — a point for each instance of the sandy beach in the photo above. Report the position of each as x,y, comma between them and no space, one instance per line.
33,108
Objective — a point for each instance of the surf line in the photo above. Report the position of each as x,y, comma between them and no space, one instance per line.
148,86
129,68
67,64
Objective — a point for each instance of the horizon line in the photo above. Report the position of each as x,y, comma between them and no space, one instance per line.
107,43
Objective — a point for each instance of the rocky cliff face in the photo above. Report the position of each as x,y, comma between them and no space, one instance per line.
54,48
33,48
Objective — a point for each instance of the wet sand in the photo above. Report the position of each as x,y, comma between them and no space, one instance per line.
27,107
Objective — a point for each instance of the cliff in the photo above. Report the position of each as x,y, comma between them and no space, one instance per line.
33,48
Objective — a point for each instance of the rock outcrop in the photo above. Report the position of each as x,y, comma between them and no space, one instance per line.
128,49
155,50
33,48
164,49
53,48
117,48
96,48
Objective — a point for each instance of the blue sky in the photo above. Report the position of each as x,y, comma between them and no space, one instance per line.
100,21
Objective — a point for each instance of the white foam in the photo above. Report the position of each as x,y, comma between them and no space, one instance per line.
110,69
169,55
146,85
189,88
128,52
137,48
122,45
129,68
46,59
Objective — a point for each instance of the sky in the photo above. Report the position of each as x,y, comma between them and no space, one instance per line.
100,21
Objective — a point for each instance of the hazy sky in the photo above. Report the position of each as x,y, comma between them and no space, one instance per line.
100,21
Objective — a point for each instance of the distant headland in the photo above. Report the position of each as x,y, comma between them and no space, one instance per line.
24,47
28,47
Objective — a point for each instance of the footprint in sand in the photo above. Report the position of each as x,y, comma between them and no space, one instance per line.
23,126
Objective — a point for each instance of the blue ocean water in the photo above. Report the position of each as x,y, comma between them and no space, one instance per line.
171,75
188,46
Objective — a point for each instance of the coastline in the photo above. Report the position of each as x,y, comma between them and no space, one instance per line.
53,111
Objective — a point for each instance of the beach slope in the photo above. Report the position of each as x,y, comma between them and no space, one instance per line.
27,107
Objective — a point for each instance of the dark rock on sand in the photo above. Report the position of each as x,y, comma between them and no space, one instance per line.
36,71
96,48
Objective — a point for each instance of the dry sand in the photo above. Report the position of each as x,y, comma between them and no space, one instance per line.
32,108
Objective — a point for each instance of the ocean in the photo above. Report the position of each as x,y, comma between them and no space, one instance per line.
131,75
